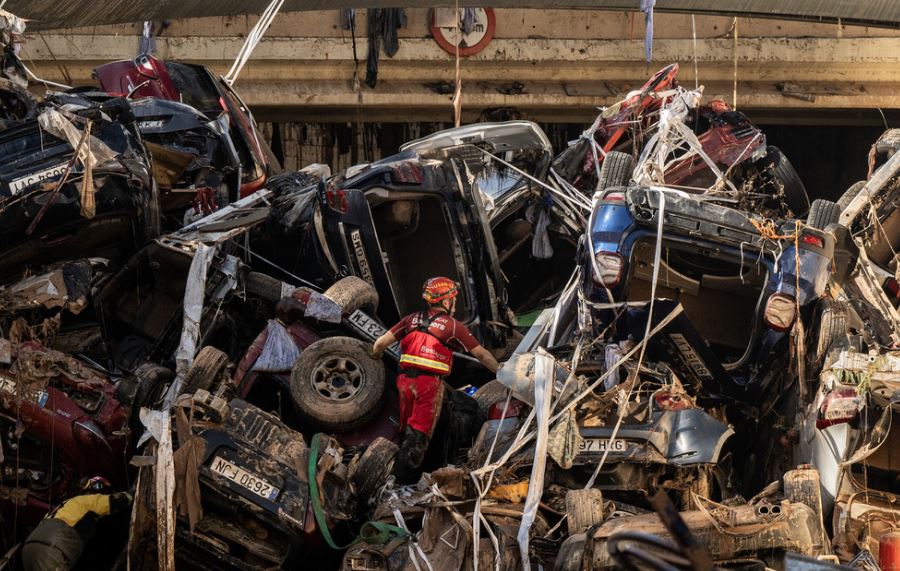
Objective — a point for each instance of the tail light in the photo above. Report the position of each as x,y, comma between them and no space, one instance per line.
337,200
666,400
608,271
614,196
813,240
892,288
780,312
511,410
839,406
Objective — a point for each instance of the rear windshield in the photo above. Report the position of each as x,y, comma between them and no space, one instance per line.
196,87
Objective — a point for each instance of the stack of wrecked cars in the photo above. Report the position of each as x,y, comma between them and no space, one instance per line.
698,361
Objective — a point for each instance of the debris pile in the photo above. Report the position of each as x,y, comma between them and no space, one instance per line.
698,366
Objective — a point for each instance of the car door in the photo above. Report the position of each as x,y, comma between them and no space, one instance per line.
346,233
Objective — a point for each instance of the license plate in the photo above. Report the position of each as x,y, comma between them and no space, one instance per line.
24,182
366,325
244,479
369,328
601,445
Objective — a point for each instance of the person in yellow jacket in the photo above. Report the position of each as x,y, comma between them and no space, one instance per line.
56,543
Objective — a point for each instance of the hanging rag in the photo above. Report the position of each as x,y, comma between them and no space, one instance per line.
647,9
147,44
382,27
565,440
468,21
348,19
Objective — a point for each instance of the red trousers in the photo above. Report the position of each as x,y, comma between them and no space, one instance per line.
421,399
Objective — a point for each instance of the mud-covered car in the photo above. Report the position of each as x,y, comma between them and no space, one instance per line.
196,86
249,473
442,206
763,533
742,281
61,420
53,208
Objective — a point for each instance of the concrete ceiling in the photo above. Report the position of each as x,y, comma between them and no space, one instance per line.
55,14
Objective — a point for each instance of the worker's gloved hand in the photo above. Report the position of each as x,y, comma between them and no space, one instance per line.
377,355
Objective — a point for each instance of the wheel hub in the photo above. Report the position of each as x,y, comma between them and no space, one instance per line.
337,378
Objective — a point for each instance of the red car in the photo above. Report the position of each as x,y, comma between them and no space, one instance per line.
734,144
197,86
61,421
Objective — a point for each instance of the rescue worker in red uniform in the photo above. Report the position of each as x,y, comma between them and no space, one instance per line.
427,342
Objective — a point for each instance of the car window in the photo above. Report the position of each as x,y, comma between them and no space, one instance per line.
195,86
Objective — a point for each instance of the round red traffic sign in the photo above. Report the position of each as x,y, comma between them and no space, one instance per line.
446,27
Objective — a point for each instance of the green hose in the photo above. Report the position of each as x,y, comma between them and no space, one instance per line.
371,532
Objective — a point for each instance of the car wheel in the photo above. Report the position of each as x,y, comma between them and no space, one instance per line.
845,199
822,213
263,287
829,330
488,395
616,170
16,103
374,466
584,509
204,371
352,293
336,385
788,181
152,383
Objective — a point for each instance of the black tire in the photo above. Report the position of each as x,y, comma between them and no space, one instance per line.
489,394
352,293
830,329
374,466
204,371
335,395
152,383
785,178
616,170
584,509
845,199
16,103
822,213
263,287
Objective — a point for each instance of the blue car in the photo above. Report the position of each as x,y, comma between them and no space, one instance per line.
742,281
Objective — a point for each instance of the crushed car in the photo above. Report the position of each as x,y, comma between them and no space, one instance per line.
198,87
699,147
443,206
76,182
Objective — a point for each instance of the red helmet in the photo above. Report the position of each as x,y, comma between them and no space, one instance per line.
438,289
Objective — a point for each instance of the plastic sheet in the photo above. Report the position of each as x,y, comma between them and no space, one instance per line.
543,391
279,352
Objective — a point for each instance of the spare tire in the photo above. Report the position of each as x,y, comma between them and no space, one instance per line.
336,385
616,170
822,213
373,467
204,371
352,293
263,286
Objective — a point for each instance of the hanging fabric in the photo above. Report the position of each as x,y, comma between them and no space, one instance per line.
647,9
382,27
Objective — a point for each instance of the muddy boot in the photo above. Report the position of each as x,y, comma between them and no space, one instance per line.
408,464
